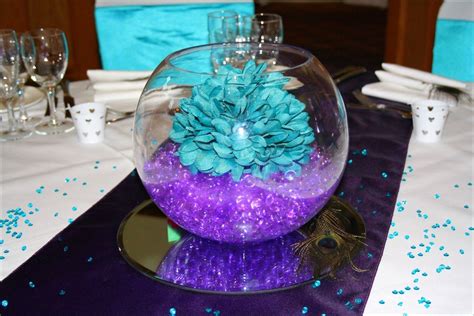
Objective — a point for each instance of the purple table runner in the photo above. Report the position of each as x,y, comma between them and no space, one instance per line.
91,278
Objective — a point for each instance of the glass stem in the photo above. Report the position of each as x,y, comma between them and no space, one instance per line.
53,120
11,115
21,101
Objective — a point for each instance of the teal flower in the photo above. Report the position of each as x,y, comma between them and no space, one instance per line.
242,121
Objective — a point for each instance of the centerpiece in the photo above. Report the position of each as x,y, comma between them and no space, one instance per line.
240,142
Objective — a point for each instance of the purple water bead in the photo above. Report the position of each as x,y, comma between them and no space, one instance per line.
205,264
252,209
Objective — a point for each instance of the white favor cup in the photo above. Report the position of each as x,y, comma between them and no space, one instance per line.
429,117
89,120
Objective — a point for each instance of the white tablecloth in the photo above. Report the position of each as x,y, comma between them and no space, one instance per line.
55,179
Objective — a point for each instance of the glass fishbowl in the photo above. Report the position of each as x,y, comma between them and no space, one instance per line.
240,142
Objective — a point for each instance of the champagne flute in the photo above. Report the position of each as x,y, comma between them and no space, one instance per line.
45,54
9,63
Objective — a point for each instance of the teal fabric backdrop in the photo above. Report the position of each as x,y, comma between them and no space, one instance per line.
140,37
453,54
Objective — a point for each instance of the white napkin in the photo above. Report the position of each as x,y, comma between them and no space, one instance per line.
99,75
119,85
423,76
393,92
112,85
107,96
389,77
406,85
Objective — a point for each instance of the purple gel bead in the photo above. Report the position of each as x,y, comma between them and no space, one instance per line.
216,266
251,209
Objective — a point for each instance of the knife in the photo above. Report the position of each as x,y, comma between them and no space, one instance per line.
68,99
347,73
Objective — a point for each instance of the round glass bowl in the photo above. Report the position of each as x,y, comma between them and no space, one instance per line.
240,142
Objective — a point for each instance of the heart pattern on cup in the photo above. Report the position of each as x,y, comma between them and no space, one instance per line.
88,120
85,134
101,117
424,132
78,112
431,119
92,110
97,133
437,132
430,108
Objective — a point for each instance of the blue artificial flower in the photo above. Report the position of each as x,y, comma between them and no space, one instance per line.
242,121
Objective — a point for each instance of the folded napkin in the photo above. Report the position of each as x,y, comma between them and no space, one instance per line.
119,85
423,76
389,77
406,85
393,92
99,75
112,85
106,96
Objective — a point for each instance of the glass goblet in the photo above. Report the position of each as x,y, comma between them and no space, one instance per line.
24,118
9,63
215,25
45,54
267,28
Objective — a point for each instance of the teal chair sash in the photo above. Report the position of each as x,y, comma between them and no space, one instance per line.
453,53
139,37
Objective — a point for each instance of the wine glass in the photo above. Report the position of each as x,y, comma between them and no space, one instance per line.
215,24
24,119
266,28
45,54
9,63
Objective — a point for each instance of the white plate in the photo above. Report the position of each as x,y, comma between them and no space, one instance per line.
33,96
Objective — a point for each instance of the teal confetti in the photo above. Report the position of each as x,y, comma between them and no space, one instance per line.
384,175
62,293
339,292
437,196
90,259
23,248
466,206
316,284
74,208
31,284
364,152
304,310
4,303
461,251
381,302
172,311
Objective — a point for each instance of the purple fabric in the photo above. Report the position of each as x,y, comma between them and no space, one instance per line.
109,286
